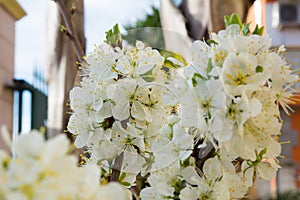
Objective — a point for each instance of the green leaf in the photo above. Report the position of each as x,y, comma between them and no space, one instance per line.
113,36
209,65
194,82
212,42
126,184
246,29
233,19
73,8
116,29
195,77
122,176
186,162
168,63
258,31
226,19
261,153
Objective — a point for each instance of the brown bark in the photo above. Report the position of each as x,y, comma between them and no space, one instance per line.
62,67
220,8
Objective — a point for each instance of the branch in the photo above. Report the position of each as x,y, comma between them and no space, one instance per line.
70,31
116,169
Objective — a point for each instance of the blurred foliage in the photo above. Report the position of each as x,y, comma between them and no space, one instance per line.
147,30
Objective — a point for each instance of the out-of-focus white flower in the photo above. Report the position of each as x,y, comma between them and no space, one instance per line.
113,191
44,170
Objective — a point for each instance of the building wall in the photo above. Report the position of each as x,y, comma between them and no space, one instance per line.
288,176
10,12
7,32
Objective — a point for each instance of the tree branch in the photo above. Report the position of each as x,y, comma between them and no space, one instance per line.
71,29
116,169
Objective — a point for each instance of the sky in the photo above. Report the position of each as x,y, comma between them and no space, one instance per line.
31,35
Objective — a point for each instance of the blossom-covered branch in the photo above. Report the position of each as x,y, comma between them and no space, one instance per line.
199,132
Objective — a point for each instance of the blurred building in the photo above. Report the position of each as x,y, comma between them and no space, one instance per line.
281,19
10,12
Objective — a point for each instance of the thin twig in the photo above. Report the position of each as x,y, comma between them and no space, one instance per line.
116,169
135,193
71,30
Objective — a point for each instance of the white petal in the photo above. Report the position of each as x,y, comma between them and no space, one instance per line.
254,107
121,110
265,171
137,110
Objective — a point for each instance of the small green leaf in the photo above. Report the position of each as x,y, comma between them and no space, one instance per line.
126,184
209,65
258,31
194,82
196,75
73,8
212,42
64,30
259,69
262,152
122,176
226,19
116,29
246,30
186,162
113,36
168,63
233,19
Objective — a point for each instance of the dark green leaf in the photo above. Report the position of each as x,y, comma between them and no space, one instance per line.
212,42
126,184
258,31
122,176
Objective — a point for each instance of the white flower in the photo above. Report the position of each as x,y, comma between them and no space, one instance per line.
241,72
80,126
217,180
122,96
200,57
139,60
101,62
232,40
86,97
161,182
113,191
171,146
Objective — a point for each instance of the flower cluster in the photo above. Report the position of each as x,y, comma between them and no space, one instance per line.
121,106
44,170
202,131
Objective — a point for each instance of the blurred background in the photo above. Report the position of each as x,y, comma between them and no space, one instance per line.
38,62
